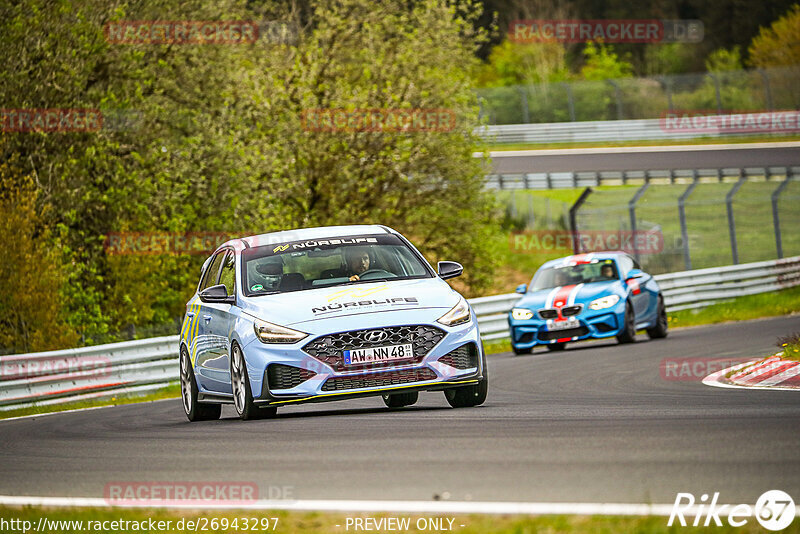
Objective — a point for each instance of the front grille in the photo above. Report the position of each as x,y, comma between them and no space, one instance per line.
559,334
282,376
568,311
548,313
329,348
464,357
391,378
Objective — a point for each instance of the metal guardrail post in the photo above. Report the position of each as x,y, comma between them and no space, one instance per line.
618,97
776,220
687,260
767,89
523,94
573,224
632,212
731,220
716,91
570,101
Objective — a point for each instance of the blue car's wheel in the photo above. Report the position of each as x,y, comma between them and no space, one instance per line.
628,334
242,394
195,411
519,351
660,329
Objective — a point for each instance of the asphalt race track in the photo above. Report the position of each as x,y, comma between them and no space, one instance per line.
595,423
644,158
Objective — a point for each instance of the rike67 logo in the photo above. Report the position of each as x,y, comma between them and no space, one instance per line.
774,510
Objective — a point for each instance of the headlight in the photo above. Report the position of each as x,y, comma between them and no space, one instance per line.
459,314
521,314
272,333
604,302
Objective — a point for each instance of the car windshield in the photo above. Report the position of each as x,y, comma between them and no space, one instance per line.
583,273
300,265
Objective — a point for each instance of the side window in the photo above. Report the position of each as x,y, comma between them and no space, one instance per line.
625,265
228,274
212,273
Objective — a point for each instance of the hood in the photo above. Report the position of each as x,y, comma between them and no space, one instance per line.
581,295
299,307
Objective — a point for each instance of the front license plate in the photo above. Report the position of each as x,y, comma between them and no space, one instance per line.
563,325
378,354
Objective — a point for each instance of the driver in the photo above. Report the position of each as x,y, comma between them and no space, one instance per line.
357,262
607,271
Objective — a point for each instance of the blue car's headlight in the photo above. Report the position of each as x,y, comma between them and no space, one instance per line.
604,302
458,314
521,314
272,333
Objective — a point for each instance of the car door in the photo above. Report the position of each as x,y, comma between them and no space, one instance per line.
636,279
219,322
212,374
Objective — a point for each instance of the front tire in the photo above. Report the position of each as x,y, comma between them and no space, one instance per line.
628,334
659,331
469,396
520,351
194,410
242,394
399,400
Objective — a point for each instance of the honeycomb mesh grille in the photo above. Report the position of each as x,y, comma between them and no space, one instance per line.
464,357
286,377
391,378
329,349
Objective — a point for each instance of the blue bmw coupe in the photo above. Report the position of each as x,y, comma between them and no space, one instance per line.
322,314
595,295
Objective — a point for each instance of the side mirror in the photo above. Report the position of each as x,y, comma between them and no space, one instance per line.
522,288
449,269
217,293
634,274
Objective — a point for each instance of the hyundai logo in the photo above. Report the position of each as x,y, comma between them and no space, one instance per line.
376,336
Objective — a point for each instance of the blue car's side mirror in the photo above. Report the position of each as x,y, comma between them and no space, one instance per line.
522,288
634,273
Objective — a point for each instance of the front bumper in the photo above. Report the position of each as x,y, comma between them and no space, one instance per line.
598,324
282,374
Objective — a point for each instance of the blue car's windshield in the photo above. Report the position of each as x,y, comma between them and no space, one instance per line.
299,265
583,273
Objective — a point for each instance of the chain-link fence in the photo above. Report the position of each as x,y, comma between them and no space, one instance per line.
733,216
643,98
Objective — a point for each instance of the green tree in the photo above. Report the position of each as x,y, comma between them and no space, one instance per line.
778,45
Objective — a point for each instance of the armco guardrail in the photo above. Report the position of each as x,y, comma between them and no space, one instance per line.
715,126
147,364
87,373
682,290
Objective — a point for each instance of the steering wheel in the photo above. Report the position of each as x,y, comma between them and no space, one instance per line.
380,272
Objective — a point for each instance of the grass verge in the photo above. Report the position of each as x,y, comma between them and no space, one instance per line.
677,142
313,522
169,392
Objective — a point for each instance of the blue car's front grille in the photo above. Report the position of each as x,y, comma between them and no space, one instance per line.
390,378
561,334
329,349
